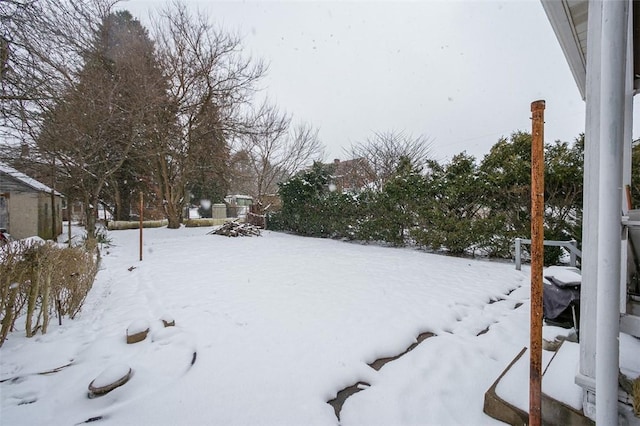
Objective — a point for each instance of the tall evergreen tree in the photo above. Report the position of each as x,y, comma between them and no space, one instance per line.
394,210
506,171
452,216
107,115
124,36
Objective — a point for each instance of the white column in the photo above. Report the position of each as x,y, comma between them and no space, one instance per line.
626,164
612,84
588,325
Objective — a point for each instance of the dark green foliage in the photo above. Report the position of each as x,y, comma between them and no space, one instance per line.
451,216
461,207
506,172
302,210
341,214
563,194
394,210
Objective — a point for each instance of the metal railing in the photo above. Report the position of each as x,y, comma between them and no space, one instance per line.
571,246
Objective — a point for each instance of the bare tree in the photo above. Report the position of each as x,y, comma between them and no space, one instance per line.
383,152
45,48
42,48
108,111
274,151
241,174
210,80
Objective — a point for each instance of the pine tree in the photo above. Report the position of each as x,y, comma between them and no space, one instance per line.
96,129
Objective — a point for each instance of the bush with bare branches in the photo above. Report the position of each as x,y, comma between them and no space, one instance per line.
273,151
37,279
383,152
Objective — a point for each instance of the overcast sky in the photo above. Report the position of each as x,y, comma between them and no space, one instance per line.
462,73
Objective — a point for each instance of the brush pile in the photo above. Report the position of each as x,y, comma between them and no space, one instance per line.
236,229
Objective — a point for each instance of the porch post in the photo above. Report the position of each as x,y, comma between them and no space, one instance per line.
612,114
626,162
588,325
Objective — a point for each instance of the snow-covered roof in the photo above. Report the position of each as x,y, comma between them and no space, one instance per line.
30,182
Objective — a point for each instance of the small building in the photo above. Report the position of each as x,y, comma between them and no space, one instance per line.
26,206
238,205
350,175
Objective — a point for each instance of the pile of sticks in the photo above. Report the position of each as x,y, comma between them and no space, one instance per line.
236,229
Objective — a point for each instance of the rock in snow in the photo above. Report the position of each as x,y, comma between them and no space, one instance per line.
137,331
111,378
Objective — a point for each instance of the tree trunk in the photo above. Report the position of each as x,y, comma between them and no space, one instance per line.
122,200
171,196
34,289
117,201
90,217
125,204
173,212
45,300
9,314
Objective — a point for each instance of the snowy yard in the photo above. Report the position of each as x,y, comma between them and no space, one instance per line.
278,325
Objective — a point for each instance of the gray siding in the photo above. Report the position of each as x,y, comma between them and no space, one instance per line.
10,184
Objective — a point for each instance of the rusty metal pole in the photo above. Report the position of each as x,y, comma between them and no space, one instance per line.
141,214
537,262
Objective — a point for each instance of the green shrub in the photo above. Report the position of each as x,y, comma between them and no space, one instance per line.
460,207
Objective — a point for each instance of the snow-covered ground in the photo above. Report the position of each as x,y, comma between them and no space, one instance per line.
268,329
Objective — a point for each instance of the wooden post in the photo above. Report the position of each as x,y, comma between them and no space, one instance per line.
141,214
518,254
69,222
537,262
59,311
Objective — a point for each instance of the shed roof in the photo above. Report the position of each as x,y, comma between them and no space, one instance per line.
21,177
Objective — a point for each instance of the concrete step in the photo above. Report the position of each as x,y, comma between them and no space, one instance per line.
507,399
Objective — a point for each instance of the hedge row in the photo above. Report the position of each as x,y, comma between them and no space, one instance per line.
460,207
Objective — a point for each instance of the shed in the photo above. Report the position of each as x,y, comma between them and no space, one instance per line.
26,206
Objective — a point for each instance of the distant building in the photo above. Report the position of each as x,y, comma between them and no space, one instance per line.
350,175
238,205
26,206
